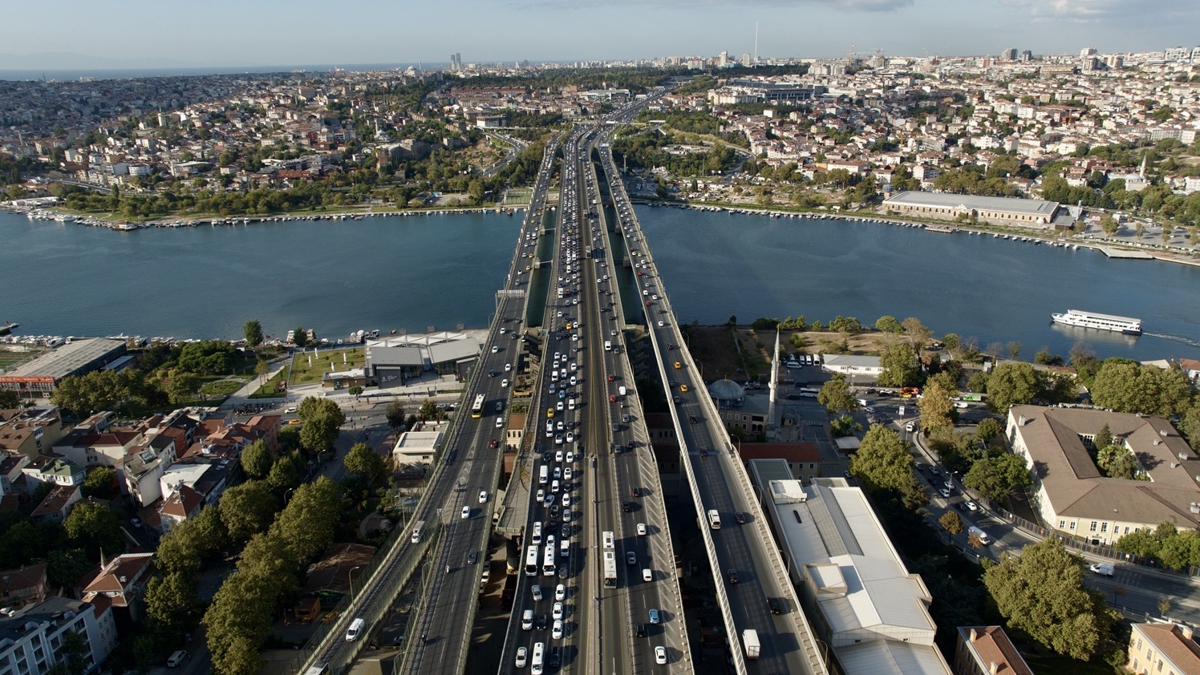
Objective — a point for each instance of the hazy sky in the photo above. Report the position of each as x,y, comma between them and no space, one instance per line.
303,32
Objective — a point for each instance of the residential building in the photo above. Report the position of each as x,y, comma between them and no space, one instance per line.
31,638
53,470
1074,497
986,650
23,586
30,431
852,365
121,582
57,505
861,599
181,505
1163,649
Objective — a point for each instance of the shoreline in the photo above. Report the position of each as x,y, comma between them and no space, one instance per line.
1182,256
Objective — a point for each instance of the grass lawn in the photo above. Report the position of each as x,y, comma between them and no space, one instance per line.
303,373
221,388
10,359
518,196
271,388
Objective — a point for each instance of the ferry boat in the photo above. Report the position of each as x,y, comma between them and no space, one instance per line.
1118,324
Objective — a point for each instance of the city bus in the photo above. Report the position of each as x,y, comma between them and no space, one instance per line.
548,565
610,569
531,561
477,407
608,541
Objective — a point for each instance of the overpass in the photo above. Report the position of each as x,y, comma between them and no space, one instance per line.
739,542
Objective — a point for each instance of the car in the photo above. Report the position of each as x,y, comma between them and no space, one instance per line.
566,519
972,506
557,612
739,517
639,630
635,492
472,557
641,529
655,618
136,522
499,422
495,349
626,507
466,512
567,472
647,574
945,493
703,452
536,590
557,631
566,499
683,388
541,494
960,506
295,423
542,622
558,456
522,657
630,558
692,419
291,410
775,605
612,378
493,444
508,367
504,382
177,658
566,531
483,496
560,592
660,655
733,577
570,458
557,472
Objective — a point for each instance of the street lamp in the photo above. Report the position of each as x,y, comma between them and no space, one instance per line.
350,578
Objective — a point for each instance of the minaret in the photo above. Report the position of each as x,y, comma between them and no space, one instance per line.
774,377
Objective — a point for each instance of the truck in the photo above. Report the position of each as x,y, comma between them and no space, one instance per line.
1104,569
979,534
750,641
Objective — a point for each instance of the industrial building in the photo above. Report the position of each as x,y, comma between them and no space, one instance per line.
862,601
40,377
1033,213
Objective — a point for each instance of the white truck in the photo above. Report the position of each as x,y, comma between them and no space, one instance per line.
751,643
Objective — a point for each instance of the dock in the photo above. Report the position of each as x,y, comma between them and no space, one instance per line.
1125,253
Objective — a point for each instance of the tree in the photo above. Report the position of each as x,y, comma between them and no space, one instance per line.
430,410
883,461
901,368
917,333
261,367
1109,224
171,603
1010,384
300,337
253,332
363,462
1127,386
257,460
1103,438
354,391
835,395
952,342
9,399
64,567
988,429
285,473
1117,461
951,522
247,509
936,407
1014,349
181,388
395,415
307,524
888,324
1042,594
101,483
994,476
318,434
71,655
312,407
95,529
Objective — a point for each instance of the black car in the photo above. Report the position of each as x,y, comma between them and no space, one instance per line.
626,507
692,419
635,492
554,660
739,517
541,621
640,630
472,557
775,605
733,577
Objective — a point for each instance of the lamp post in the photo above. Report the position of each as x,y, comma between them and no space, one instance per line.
350,578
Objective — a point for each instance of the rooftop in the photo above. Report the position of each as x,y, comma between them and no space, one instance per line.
67,359
1033,207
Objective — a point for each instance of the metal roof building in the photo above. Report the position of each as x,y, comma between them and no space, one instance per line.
39,377
947,206
861,599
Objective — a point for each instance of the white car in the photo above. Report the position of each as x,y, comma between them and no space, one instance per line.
647,575
522,657
570,456
541,495
566,499
558,456
466,512
641,529
504,383
566,514
660,655
567,472
560,592
483,496
557,612
507,367
557,631
570,437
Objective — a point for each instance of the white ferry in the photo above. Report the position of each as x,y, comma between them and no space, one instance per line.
1118,324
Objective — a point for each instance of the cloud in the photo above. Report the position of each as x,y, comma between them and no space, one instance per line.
1090,11
850,5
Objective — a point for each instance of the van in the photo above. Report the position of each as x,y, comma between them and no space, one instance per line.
979,534
355,630
527,620
176,659
1105,569
621,390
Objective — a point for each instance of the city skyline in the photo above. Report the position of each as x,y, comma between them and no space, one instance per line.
272,33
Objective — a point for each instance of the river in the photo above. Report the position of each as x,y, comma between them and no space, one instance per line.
443,270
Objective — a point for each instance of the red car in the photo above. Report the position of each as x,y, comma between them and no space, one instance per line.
494,444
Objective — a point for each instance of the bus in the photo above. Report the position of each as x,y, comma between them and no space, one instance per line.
610,569
531,561
714,519
548,567
537,660
477,407
608,541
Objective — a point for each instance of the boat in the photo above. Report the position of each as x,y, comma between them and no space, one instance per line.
1117,324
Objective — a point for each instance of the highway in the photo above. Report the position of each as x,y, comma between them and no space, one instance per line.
747,568
466,465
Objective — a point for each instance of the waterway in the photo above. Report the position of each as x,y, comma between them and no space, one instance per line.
442,271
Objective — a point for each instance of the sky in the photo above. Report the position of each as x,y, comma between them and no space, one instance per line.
58,34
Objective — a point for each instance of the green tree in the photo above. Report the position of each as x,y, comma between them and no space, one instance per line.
1117,461
257,459
1014,349
430,410
101,483
952,342
901,368
395,415
1103,438
951,522
318,434
1127,386
936,407
1010,384
253,332
1042,593
888,324
312,407
1109,224
1181,550
71,656
883,461
917,333
307,524
64,567
171,603
994,476
261,367
181,388
95,529
286,472
300,337
247,509
988,429
9,400
365,463
835,395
